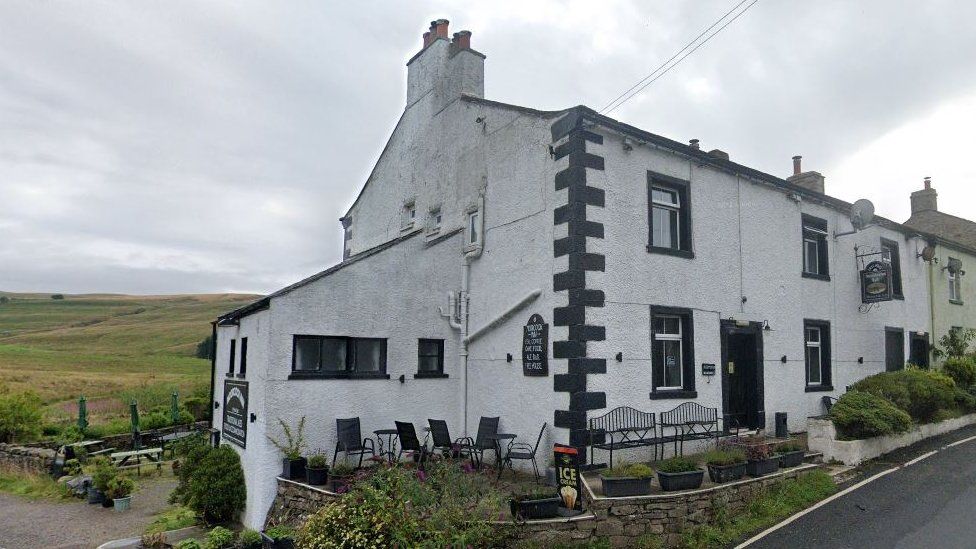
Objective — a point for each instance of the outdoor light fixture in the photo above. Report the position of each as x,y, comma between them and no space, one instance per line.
508,357
403,378
766,327
620,357
860,360
783,359
254,417
216,405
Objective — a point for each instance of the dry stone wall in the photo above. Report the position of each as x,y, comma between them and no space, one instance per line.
26,458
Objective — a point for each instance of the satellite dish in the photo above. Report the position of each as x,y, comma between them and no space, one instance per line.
954,265
928,253
862,212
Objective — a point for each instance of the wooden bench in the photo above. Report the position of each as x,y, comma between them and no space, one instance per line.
690,421
153,455
621,428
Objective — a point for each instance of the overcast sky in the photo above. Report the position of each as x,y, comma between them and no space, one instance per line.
175,147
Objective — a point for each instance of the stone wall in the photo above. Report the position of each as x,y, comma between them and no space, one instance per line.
32,459
822,437
295,501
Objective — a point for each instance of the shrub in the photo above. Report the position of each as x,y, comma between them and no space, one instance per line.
249,539
317,461
155,420
120,487
954,343
220,538
638,470
205,347
211,482
859,415
280,532
294,443
72,467
57,297
921,393
789,447
20,416
189,544
4,300
722,458
102,472
198,407
677,464
964,400
962,370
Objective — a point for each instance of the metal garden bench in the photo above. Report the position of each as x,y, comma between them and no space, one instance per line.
621,428
691,421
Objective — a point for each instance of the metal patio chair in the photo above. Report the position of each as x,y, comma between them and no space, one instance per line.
487,427
351,441
441,436
523,451
409,442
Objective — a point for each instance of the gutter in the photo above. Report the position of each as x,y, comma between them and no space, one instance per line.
213,370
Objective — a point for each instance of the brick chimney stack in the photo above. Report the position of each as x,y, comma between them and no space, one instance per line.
926,199
445,67
811,181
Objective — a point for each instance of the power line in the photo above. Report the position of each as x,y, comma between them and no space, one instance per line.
644,83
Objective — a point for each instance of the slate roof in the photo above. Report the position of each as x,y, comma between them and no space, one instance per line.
945,226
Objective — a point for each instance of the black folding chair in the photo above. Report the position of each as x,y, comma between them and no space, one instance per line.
409,442
351,441
442,437
523,451
487,427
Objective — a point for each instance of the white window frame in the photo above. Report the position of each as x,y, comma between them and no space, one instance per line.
816,255
813,344
474,236
681,353
408,216
434,219
675,207
955,286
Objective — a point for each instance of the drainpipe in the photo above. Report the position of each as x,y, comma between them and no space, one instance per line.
931,338
469,257
213,371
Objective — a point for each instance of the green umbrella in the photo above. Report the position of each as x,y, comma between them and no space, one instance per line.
82,414
174,408
134,412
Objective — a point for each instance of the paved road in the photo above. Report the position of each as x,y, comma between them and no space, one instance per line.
928,504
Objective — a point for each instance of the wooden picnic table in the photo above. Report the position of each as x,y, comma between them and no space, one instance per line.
153,455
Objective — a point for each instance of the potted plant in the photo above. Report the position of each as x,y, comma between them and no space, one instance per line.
120,490
790,454
725,465
538,504
279,537
760,460
340,478
627,480
679,473
317,470
249,539
102,472
292,464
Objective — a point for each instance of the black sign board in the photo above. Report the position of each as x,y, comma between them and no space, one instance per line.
708,369
876,282
567,460
535,347
235,412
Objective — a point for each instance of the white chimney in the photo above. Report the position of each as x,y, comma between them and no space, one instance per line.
445,68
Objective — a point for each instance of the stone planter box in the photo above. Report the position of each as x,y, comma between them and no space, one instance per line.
726,473
620,487
822,437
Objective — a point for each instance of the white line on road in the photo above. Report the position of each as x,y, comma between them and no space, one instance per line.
819,504
920,458
958,442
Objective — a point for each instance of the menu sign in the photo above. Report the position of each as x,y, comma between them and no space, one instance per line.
535,347
568,476
876,282
235,412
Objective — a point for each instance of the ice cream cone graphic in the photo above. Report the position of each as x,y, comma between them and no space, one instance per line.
568,493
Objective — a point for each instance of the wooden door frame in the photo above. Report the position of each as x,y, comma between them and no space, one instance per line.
730,327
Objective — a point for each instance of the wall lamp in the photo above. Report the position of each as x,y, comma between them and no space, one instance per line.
783,359
216,405
254,417
766,327
620,357
508,357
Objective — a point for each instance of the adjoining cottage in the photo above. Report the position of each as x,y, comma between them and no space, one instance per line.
548,266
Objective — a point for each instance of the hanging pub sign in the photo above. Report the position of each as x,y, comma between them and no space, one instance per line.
235,412
568,476
535,347
876,282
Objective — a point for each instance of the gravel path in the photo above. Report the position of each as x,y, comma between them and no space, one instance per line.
45,524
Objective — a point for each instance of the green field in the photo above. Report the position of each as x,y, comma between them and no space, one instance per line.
109,348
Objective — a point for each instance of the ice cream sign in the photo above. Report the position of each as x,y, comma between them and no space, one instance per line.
235,412
568,476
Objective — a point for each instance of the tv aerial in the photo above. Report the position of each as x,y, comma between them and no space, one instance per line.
862,213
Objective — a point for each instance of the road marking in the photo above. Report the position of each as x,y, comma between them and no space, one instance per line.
920,458
958,442
819,504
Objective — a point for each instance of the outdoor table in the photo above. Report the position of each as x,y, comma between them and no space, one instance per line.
391,438
165,440
500,460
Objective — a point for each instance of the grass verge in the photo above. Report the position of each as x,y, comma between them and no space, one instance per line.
173,518
31,485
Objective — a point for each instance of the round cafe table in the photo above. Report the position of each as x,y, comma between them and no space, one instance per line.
500,459
391,438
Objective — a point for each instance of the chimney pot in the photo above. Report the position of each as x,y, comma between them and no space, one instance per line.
439,28
462,39
796,164
694,144
928,182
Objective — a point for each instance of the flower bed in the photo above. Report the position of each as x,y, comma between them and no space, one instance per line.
822,437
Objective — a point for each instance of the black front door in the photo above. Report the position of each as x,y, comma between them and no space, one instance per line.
894,349
742,377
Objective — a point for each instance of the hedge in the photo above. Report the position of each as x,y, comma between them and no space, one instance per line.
858,415
921,393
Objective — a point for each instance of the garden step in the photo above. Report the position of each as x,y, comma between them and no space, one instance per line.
813,457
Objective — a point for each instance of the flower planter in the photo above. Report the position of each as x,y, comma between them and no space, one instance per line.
726,473
122,504
791,459
95,495
620,487
339,484
528,509
270,543
316,477
107,502
760,467
293,469
688,480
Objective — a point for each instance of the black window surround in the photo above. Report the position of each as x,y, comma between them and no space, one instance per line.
431,352
243,369
233,357
822,327
687,350
814,252
889,249
675,202
326,347
919,349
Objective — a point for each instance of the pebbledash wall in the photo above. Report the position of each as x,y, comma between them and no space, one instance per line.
565,213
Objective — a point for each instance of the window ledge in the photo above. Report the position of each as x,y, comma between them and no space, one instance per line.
687,254
899,297
229,374
819,388
241,376
429,375
673,393
815,276
337,375
955,302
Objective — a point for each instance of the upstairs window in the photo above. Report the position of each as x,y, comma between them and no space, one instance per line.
955,285
408,216
434,221
243,368
233,357
672,353
430,358
338,357
815,258
889,254
816,348
669,213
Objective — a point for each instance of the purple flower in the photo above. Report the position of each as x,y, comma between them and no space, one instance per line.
422,476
